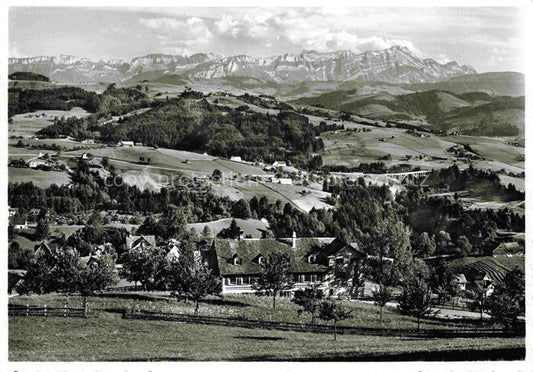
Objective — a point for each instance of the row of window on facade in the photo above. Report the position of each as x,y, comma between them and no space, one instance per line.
260,260
249,280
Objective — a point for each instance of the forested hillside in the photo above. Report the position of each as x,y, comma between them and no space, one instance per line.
193,124
112,101
28,76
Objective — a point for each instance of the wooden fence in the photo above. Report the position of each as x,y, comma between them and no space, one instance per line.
322,328
29,310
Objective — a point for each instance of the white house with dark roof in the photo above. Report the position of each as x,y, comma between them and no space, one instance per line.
40,160
19,222
279,163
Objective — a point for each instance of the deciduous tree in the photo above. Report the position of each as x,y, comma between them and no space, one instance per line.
309,300
190,278
275,276
507,302
333,310
415,299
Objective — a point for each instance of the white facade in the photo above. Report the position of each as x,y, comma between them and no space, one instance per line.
283,181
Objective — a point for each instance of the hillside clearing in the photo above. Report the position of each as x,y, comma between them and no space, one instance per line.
249,227
39,178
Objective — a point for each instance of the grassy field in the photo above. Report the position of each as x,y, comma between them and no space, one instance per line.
174,160
251,307
348,148
115,339
249,227
28,124
519,183
39,178
304,198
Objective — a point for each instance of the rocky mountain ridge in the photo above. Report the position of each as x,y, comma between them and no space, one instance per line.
392,65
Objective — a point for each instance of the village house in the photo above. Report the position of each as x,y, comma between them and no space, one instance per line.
461,282
19,222
45,248
283,181
478,276
12,211
126,144
140,242
279,164
40,161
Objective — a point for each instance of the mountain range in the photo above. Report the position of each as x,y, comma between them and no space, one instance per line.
395,65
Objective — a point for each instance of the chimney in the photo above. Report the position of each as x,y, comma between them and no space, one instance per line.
294,240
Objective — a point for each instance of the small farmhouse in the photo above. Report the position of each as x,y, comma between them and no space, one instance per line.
40,161
20,222
283,181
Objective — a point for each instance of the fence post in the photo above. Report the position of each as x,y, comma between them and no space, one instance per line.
45,311
85,306
27,310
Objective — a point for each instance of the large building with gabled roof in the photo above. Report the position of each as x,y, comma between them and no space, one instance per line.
238,262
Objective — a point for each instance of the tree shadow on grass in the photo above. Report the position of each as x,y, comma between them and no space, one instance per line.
260,338
133,359
133,296
221,302
155,298
513,353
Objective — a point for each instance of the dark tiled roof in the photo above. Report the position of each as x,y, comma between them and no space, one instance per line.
18,220
136,239
334,247
249,249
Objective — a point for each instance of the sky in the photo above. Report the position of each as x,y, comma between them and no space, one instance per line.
488,39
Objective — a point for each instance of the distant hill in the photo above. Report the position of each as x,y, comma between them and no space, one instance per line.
148,75
495,83
475,113
172,79
28,76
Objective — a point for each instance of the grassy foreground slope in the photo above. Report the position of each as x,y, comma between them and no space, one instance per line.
114,339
